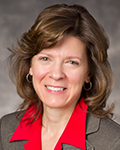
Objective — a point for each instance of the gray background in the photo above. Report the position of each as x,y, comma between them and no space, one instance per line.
17,16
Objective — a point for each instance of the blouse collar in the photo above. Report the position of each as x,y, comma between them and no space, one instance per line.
74,133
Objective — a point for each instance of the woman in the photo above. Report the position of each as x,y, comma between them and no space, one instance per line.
61,70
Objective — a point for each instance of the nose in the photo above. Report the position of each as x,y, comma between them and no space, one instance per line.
57,72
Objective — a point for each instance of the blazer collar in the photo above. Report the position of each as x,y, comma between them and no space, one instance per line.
92,124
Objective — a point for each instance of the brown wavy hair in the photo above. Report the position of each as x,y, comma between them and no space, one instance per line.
51,25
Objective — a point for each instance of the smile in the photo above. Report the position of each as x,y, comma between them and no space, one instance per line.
55,88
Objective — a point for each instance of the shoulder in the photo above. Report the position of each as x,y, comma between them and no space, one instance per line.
95,124
103,133
9,117
8,124
8,121
110,125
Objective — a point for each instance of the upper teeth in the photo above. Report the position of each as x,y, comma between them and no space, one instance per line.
55,88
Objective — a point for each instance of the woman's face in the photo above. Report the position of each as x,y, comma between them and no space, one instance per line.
60,72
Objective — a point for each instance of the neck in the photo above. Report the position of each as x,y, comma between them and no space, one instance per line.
54,122
54,119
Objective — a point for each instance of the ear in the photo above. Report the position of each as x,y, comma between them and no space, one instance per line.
87,80
31,71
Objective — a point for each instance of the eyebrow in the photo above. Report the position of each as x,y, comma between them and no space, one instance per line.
74,57
69,57
45,54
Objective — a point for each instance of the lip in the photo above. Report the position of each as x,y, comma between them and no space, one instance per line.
56,86
54,91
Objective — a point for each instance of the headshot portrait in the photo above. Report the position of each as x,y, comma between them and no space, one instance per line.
60,75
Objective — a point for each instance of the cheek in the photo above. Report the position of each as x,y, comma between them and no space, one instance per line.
77,78
38,73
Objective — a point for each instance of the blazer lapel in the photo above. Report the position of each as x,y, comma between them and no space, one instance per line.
89,146
15,145
69,147
93,124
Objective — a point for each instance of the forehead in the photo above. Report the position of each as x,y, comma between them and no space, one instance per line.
68,44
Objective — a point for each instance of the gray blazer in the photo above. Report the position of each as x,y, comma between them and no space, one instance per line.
101,134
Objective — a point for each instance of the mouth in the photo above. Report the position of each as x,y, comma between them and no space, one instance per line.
55,88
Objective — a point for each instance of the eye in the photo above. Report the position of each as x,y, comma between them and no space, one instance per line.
44,58
73,62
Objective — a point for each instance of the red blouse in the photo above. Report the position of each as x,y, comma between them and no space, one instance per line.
74,133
